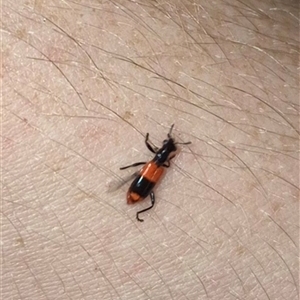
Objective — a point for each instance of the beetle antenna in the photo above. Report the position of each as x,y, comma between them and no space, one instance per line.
186,143
169,134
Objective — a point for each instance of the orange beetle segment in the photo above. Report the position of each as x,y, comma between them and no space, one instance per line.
152,172
132,197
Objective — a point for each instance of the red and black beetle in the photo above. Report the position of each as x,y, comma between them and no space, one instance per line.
142,186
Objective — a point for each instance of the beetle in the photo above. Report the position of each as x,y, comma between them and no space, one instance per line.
145,180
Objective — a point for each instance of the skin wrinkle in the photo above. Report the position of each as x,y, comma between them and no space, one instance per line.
266,149
108,172
189,103
39,285
35,210
73,277
261,285
106,251
102,273
237,275
282,178
195,180
243,163
196,226
139,286
285,263
17,288
203,285
60,70
264,89
284,231
157,272
268,105
190,236
198,66
67,235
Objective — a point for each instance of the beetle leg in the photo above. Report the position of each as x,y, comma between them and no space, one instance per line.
167,164
153,149
152,196
133,165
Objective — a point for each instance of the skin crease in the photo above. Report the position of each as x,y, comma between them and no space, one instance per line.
83,82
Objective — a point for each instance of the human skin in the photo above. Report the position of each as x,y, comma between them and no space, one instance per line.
83,82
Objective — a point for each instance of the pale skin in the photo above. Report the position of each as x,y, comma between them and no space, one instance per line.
83,82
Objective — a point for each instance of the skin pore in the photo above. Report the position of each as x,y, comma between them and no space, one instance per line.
83,82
